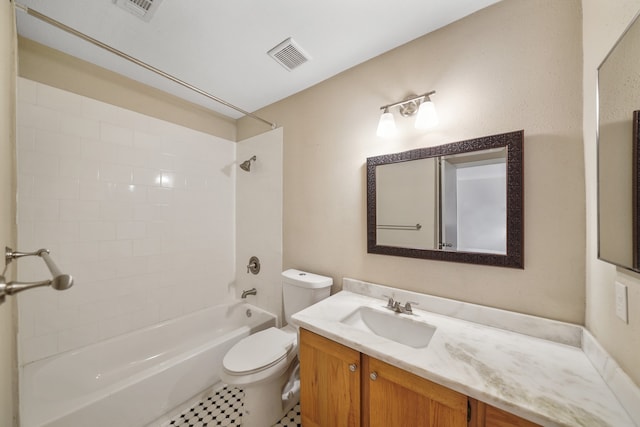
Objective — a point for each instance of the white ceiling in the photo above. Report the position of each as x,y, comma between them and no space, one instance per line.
220,46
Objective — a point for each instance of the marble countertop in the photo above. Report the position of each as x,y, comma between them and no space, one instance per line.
547,380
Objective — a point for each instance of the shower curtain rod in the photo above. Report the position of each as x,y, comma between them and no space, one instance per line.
123,55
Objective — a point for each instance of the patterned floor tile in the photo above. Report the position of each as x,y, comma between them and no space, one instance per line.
223,407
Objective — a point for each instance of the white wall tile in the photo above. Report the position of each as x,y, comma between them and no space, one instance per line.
79,210
81,251
78,337
148,212
116,134
94,190
116,249
163,161
58,99
132,267
146,141
61,188
90,188
38,164
39,347
116,173
32,209
133,156
127,193
37,117
161,196
146,247
116,211
26,91
59,144
26,138
96,110
71,124
114,326
93,149
68,231
92,231
131,230
149,177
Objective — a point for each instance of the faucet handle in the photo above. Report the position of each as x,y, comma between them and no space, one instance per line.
390,301
407,306
254,265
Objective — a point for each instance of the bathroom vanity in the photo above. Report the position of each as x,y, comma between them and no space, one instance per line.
447,364
343,387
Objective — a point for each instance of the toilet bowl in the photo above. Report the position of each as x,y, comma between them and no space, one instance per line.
265,365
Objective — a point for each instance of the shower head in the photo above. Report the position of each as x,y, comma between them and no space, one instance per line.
246,165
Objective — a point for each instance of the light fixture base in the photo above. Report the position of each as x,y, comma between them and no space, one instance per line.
410,107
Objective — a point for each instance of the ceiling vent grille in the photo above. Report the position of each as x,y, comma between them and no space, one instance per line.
289,54
143,9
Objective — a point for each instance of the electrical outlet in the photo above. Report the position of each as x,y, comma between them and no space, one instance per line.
621,302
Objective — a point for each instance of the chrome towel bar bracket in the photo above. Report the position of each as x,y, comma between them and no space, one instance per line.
59,282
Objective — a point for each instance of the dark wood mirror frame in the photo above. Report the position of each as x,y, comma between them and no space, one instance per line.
514,257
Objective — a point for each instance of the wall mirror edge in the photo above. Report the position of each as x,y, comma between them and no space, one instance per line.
618,233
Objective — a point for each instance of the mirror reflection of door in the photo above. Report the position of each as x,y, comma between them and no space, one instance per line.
448,200
406,214
474,204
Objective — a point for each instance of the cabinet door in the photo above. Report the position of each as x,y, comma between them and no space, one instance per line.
494,417
393,397
329,382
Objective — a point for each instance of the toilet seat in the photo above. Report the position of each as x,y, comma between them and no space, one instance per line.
258,352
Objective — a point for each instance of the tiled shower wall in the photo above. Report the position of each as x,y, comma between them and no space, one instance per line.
140,211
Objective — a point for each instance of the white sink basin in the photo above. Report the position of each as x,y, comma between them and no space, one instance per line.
393,326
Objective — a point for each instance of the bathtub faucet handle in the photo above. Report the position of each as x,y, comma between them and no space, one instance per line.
254,265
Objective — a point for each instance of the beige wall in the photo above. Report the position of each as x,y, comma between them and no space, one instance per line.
8,364
516,65
54,68
604,22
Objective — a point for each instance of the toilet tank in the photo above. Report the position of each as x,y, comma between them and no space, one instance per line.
301,289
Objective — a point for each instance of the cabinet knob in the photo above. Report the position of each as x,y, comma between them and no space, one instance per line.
373,375
353,367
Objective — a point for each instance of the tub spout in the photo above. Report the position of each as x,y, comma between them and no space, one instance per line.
251,291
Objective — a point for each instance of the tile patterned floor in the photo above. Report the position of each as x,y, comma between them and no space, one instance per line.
223,407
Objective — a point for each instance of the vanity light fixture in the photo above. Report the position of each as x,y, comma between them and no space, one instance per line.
414,104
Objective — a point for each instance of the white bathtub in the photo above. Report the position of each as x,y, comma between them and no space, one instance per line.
135,378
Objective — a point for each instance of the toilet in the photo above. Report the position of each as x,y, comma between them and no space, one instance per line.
265,364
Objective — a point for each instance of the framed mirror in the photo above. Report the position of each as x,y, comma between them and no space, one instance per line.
618,140
460,202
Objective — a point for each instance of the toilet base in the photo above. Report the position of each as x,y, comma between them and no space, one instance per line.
263,404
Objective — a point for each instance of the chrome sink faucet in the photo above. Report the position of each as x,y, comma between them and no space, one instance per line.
397,307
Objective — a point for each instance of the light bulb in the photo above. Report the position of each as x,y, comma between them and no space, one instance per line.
386,125
427,115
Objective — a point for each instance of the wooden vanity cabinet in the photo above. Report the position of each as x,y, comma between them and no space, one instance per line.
329,382
340,387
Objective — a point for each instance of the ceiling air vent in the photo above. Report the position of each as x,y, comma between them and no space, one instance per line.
143,9
289,54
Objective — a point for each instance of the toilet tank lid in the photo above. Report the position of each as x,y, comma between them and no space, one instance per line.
306,280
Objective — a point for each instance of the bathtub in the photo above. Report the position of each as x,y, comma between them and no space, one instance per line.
132,379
